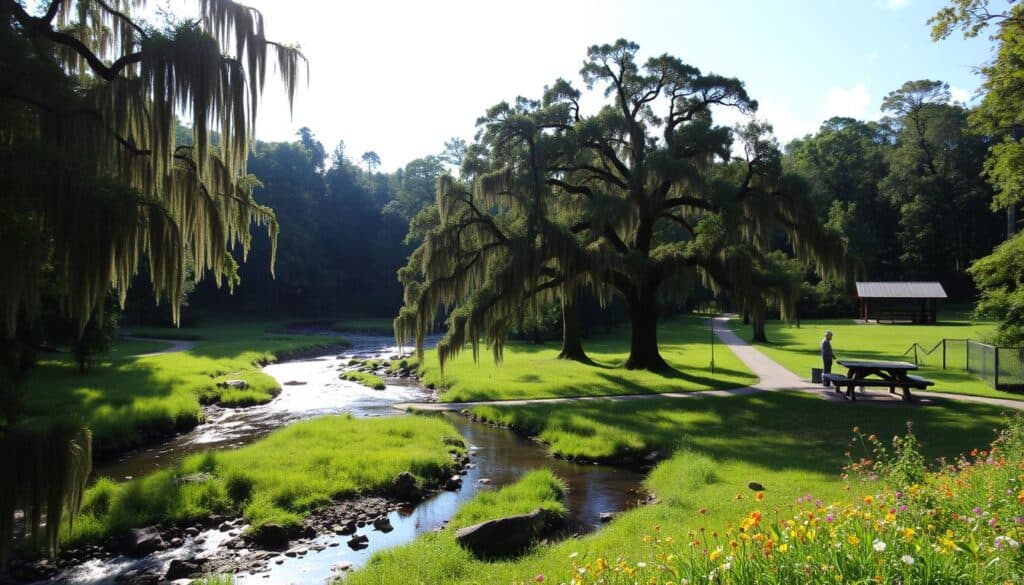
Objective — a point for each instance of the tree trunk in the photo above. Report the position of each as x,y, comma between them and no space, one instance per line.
643,342
572,328
757,319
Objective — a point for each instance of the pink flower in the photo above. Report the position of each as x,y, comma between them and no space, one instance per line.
539,578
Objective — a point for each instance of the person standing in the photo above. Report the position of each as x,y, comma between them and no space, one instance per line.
826,356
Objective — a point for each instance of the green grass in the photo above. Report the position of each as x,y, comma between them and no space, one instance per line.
792,443
374,325
124,348
125,400
278,479
799,350
436,558
365,378
533,371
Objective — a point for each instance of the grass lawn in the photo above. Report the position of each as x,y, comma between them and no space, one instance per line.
792,443
533,371
277,479
126,399
799,350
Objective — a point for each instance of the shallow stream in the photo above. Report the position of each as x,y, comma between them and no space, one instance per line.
311,387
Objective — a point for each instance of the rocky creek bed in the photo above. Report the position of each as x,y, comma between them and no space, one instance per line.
344,535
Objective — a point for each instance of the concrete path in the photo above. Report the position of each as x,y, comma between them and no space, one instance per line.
772,378
176,345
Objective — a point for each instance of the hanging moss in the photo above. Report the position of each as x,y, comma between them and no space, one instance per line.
89,156
48,464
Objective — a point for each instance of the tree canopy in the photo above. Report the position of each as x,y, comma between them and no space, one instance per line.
642,198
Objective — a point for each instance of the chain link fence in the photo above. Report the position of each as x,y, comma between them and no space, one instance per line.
1001,367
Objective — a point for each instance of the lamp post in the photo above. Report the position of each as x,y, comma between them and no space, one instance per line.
712,329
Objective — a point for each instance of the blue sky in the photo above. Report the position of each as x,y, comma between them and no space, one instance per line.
401,77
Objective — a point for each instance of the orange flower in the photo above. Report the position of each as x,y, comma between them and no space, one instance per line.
759,496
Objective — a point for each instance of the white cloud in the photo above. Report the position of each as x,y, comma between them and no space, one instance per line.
896,4
960,94
852,102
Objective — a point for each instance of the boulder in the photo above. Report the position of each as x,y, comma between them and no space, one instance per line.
184,569
454,482
139,542
383,524
294,383
405,486
505,536
236,384
359,541
755,486
606,516
272,536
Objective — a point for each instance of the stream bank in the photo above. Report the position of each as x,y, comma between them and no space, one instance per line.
312,388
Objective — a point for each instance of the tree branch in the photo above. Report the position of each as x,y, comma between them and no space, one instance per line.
121,16
43,28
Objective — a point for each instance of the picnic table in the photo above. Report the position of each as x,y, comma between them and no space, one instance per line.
880,374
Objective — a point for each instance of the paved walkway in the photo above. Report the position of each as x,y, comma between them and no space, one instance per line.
772,378
176,345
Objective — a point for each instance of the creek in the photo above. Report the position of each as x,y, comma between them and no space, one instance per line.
310,388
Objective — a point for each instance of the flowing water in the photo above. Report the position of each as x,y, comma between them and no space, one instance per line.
499,457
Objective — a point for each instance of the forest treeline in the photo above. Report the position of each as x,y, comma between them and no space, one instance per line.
907,192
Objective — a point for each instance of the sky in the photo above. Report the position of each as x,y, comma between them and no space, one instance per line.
401,77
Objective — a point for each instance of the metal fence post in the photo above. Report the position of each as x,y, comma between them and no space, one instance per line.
996,368
943,353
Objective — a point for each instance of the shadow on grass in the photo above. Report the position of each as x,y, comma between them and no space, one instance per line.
776,430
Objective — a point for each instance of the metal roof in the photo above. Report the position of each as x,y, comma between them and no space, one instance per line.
900,290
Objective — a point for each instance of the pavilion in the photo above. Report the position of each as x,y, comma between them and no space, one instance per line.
913,302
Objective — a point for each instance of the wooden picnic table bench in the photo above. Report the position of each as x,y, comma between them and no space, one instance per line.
886,374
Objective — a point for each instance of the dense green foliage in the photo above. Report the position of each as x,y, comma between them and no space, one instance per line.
1000,276
642,199
278,479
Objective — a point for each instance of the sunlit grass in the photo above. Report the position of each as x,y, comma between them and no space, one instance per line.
792,443
437,558
365,378
126,399
534,371
799,349
278,479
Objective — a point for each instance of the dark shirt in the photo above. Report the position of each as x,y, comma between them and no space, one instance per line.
826,351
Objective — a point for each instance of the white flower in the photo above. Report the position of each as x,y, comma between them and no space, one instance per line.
582,570
726,566
641,564
907,559
878,545
1003,540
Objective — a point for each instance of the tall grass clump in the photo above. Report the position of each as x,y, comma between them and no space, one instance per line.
279,479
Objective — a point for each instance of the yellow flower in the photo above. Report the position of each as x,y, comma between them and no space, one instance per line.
784,548
908,534
601,564
869,500
852,539
715,554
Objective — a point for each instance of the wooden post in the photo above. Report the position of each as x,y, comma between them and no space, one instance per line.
943,353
